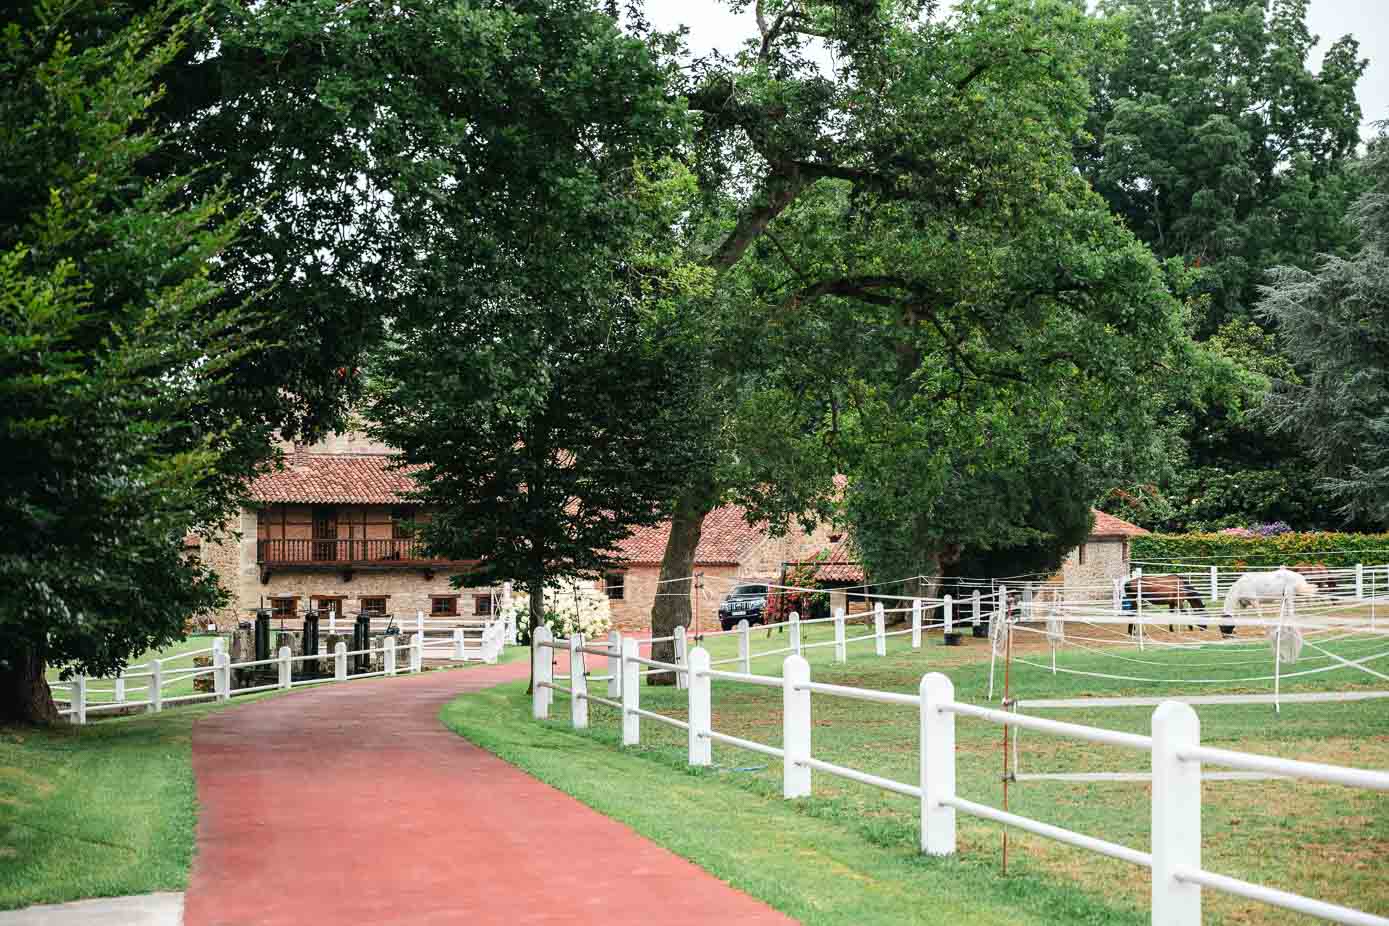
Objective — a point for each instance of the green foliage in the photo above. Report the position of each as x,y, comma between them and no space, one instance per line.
1332,321
113,354
1218,145
540,387
1333,549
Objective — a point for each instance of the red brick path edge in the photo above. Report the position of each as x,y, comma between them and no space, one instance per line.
352,804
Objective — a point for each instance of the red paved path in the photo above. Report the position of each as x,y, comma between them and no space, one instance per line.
352,804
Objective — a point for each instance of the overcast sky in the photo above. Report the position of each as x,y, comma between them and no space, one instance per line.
713,26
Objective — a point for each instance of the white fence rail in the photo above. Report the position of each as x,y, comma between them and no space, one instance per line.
154,681
1176,755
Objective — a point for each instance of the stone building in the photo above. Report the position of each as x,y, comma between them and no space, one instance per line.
730,551
1091,568
331,532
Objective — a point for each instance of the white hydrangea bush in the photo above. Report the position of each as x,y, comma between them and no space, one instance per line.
568,610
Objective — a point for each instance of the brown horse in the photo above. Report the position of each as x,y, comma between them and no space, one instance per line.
1319,575
1173,591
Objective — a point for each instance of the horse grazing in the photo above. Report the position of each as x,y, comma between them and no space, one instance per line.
1173,591
1319,575
1254,588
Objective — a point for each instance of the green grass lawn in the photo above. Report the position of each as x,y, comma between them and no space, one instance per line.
106,809
101,690
1327,842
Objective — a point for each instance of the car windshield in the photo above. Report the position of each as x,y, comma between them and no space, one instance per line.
749,590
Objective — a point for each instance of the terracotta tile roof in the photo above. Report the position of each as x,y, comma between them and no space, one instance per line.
1106,525
726,536
334,479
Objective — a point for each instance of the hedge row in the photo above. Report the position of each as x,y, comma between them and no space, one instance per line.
1333,549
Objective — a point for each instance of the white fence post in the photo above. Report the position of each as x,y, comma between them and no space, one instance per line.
388,654
492,643
879,629
631,693
1215,583
1359,581
119,693
916,623
340,662
219,645
156,684
700,716
460,645
1117,596
1176,838
744,646
795,728
974,613
78,699
283,656
682,656
614,664
948,613
1027,601
221,676
542,672
795,633
417,652
578,684
937,765
840,649
419,623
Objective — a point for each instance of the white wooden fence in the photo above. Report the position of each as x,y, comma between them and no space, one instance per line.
1174,747
153,678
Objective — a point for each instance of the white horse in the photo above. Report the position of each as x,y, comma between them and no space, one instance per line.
1254,588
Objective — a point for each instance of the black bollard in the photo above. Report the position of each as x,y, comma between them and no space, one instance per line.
310,633
262,634
361,639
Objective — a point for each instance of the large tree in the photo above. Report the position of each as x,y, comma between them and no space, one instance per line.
862,165
113,361
1334,322
540,393
1218,144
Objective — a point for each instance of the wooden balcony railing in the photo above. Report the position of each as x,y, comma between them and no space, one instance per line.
343,552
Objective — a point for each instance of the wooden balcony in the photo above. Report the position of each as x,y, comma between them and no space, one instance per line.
345,556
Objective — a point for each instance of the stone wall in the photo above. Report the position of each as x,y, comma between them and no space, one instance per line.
632,613
1104,561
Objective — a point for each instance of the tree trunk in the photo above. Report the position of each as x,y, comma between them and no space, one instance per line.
672,609
25,697
537,620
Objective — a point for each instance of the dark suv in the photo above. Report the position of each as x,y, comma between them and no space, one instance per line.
745,602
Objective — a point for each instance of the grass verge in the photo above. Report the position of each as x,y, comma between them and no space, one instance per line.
1320,840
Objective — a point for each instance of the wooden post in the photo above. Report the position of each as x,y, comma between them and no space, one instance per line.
937,765
78,700
120,685
795,633
795,728
1215,584
340,662
916,623
879,629
578,684
388,655
417,652
156,684
744,646
542,672
460,645
631,693
221,676
948,612
1176,838
840,649
974,612
284,667
681,657
700,710
614,664
1359,581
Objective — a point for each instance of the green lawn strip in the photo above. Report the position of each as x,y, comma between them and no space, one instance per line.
820,860
1322,841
